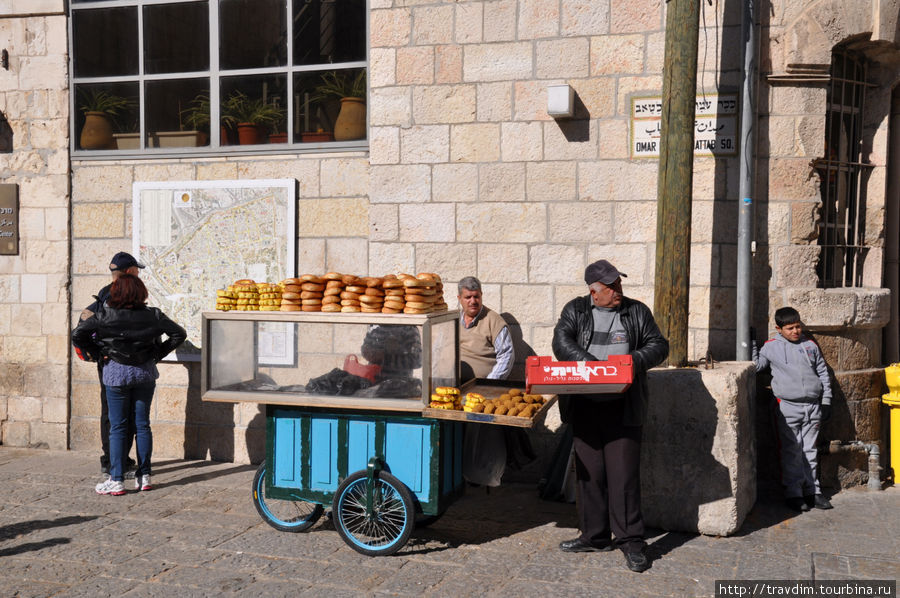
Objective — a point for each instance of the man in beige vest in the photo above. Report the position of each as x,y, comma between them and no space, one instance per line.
485,346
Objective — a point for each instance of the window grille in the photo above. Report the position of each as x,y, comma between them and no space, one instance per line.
843,176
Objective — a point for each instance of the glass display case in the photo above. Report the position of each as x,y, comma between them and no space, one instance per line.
336,360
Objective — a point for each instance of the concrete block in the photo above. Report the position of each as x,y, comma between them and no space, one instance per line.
12,379
428,222
451,261
46,380
311,255
454,183
346,255
501,182
574,222
34,290
45,256
477,142
795,265
24,408
530,99
382,67
497,62
56,410
528,302
500,20
23,349
100,220
521,142
384,145
430,25
584,17
400,184
503,262
698,458
340,217
502,223
494,101
390,28
551,181
425,144
212,171
601,180
448,64
633,222
538,19
49,435
627,17
391,257
383,222
469,19
15,433
9,289
567,57
390,106
344,177
570,140
616,54
85,399
834,309
555,263
415,65
45,191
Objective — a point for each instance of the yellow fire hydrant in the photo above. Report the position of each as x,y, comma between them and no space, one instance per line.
892,400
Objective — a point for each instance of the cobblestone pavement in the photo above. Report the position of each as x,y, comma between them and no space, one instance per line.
197,534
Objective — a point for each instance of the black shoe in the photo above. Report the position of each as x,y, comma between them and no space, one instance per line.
579,545
797,503
820,502
637,561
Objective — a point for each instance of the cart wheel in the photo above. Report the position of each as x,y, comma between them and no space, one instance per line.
393,514
283,515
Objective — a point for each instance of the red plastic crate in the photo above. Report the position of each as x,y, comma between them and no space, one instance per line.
543,375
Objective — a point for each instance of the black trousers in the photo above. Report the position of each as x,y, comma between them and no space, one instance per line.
607,467
104,424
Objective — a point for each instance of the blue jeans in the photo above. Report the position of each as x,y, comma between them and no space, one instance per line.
123,401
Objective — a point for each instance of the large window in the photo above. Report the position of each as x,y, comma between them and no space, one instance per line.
167,76
843,175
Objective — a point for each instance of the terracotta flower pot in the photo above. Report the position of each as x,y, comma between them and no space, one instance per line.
278,138
97,132
351,120
250,134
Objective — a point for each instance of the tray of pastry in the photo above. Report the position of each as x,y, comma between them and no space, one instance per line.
497,402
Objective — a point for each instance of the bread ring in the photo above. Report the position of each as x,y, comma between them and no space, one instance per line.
370,299
447,390
355,288
418,305
374,292
350,308
331,299
392,283
390,310
291,281
350,302
245,281
428,276
334,284
333,292
349,278
305,302
423,291
333,276
474,397
313,286
370,310
312,278
331,307
413,310
288,295
349,295
292,288
373,281
394,304
289,307
415,282
311,308
394,292
310,294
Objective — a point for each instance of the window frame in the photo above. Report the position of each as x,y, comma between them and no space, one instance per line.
215,76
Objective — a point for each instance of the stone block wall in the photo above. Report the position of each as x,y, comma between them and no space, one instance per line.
34,323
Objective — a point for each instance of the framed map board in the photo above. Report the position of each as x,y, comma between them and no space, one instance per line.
196,237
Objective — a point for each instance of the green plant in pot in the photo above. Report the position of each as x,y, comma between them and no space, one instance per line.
350,89
100,109
251,116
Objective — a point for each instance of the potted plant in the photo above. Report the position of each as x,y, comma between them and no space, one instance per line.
350,90
251,116
100,107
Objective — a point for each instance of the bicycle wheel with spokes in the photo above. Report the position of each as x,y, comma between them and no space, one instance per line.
284,515
392,517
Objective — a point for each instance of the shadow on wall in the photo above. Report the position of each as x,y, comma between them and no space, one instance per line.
679,472
6,135
208,426
522,349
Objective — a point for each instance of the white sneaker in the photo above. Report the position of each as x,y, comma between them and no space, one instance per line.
142,482
110,487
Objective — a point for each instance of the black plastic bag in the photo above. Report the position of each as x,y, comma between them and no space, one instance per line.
336,382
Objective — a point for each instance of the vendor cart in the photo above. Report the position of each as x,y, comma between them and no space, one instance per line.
348,427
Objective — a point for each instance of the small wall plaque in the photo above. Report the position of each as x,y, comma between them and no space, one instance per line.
9,219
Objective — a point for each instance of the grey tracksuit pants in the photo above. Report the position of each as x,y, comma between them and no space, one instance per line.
798,430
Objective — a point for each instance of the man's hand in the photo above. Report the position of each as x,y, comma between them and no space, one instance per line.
824,413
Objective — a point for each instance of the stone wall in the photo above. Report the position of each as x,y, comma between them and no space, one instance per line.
34,323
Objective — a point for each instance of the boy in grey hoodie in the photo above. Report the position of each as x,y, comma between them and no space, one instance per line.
802,388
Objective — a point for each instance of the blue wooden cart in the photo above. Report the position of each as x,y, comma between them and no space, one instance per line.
380,474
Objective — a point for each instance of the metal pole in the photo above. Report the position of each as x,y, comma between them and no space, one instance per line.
674,186
744,289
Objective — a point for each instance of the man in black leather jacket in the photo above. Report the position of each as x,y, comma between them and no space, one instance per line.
607,427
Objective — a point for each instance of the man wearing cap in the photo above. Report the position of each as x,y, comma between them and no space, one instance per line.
121,263
607,427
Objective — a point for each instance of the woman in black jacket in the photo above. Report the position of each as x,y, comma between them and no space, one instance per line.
127,335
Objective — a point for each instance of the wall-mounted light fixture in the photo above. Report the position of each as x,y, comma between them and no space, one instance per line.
560,101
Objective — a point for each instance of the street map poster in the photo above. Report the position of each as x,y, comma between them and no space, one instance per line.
715,126
196,237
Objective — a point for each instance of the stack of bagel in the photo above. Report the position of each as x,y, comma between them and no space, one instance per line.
269,296
421,293
394,301
290,294
247,295
226,299
334,286
445,397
